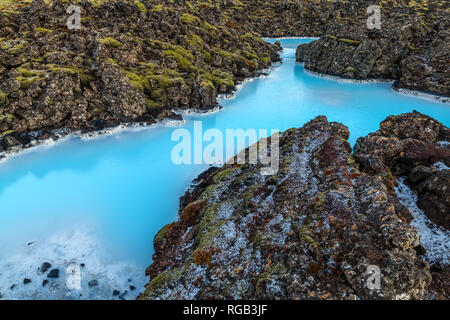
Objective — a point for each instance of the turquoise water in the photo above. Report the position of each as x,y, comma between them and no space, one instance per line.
101,201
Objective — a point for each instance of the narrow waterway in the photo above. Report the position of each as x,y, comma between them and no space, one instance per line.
96,204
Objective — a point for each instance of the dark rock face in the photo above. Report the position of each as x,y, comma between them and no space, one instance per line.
44,267
416,146
412,48
54,273
313,230
407,145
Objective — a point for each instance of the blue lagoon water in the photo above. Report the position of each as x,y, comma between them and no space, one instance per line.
101,201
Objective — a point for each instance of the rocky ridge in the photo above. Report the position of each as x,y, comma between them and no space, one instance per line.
315,228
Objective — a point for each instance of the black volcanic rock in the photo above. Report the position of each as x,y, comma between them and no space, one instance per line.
54,273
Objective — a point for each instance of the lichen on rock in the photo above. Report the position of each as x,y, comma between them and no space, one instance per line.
312,230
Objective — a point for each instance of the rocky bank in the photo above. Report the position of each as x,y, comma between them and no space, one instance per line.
412,47
131,61
315,228
139,60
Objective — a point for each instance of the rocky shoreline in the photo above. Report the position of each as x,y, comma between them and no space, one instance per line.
312,230
136,61
411,48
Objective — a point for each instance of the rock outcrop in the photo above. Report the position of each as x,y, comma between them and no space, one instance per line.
137,61
317,229
412,47
131,61
415,146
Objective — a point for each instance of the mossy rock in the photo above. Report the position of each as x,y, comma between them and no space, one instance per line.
186,18
152,105
3,98
110,42
137,81
350,42
42,30
157,284
141,6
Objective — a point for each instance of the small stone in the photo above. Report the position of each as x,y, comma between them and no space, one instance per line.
26,281
44,267
132,288
122,296
13,286
82,265
44,282
93,283
116,292
54,273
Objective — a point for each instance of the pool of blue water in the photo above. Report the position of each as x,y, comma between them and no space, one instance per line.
101,201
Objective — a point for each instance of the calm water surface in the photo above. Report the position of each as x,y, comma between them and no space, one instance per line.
101,201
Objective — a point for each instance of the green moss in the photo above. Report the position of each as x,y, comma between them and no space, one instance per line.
157,285
141,6
266,60
85,78
412,48
189,19
350,42
153,105
270,276
349,69
307,235
195,41
350,161
30,72
26,82
137,81
183,58
12,47
159,237
223,174
157,94
165,81
42,30
4,133
111,42
3,98
158,7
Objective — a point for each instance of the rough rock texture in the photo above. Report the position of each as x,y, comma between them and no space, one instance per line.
407,145
416,146
131,61
412,47
137,61
310,231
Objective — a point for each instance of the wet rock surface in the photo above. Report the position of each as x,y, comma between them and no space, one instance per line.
314,230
